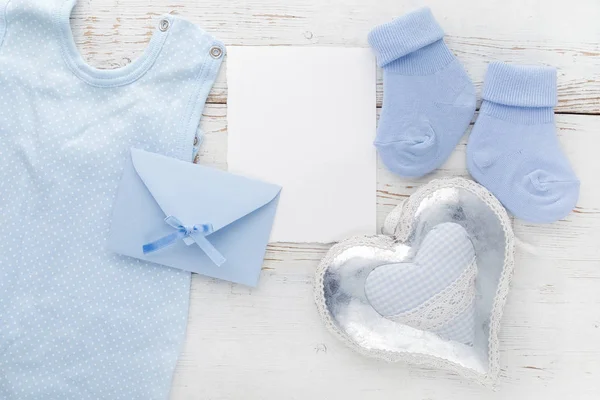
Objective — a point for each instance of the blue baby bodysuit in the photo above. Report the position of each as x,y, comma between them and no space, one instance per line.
77,321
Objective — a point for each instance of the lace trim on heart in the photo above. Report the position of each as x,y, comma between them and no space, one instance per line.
387,243
445,306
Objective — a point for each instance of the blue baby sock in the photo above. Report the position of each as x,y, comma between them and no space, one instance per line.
428,99
513,149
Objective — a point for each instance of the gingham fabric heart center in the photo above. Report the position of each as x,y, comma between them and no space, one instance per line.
436,291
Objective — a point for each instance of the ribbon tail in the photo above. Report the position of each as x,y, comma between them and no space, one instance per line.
162,242
209,249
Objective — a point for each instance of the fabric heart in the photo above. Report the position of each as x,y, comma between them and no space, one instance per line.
429,292
435,292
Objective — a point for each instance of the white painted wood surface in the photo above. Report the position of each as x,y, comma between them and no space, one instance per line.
268,343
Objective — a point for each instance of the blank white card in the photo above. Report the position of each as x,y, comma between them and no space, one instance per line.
305,118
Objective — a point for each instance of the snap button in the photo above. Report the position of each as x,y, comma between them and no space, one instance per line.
164,24
216,52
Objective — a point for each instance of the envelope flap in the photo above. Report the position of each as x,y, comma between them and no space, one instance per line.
196,194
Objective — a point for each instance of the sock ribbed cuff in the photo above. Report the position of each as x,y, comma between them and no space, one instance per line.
519,115
520,85
404,35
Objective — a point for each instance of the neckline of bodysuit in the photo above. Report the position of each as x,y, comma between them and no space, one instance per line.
107,77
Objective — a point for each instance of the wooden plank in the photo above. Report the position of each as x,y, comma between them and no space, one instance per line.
111,33
566,239
269,342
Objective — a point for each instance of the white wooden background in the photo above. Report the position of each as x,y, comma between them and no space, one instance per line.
269,343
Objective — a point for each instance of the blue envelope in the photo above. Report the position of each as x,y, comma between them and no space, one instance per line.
192,217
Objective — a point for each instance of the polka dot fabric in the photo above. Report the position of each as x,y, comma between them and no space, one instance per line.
76,321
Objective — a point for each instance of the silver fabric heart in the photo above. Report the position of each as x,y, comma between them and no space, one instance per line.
435,292
418,294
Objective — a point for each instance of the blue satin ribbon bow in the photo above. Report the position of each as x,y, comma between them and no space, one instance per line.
189,234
